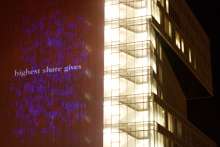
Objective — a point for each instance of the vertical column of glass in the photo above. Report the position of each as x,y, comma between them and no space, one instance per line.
128,76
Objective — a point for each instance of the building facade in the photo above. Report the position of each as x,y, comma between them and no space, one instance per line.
156,56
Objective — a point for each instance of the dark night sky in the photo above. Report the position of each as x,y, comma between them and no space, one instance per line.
204,113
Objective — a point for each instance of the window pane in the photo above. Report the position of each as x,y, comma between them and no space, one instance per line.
182,45
177,40
170,123
190,55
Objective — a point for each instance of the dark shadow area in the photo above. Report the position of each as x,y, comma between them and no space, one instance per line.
204,113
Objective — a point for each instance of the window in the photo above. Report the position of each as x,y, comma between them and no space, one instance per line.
170,123
190,56
160,140
155,11
167,6
182,45
160,115
177,40
168,27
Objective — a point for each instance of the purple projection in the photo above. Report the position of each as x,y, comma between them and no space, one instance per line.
48,83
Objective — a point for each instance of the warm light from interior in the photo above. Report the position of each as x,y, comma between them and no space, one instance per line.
127,80
190,56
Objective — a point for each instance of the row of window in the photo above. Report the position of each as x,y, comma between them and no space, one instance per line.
184,132
179,41
179,128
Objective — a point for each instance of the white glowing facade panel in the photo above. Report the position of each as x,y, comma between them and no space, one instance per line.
130,113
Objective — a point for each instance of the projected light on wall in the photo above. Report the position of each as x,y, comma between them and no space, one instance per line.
51,106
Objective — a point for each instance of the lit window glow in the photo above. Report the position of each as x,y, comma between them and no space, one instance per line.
167,27
182,45
190,56
156,11
167,6
178,40
129,64
170,123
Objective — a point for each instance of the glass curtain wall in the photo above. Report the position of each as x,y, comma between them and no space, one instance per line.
130,114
